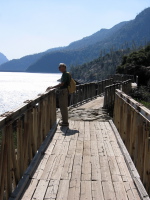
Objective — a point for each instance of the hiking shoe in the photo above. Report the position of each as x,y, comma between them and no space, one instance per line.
63,124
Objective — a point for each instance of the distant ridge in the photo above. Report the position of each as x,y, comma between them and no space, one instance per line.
96,37
124,35
3,58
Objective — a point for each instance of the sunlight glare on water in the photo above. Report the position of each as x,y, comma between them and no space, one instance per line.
15,88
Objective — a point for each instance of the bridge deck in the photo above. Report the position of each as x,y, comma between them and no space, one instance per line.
83,162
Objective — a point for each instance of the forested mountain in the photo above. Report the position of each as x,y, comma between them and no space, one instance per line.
77,52
99,68
127,61
96,37
131,34
3,58
20,65
125,35
137,63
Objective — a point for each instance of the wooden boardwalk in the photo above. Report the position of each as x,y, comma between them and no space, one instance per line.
83,162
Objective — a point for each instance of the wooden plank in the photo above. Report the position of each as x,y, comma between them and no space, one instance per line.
104,131
108,190
116,178
110,132
94,148
67,169
124,171
86,168
72,147
97,192
105,171
3,163
51,146
129,191
87,131
114,170
93,130
101,149
135,192
41,166
52,190
79,147
86,192
64,147
98,132
108,148
116,148
74,190
41,190
58,167
81,131
48,169
95,166
58,147
86,148
120,191
30,189
76,172
93,135
63,190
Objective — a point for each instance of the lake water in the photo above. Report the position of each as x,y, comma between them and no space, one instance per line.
15,88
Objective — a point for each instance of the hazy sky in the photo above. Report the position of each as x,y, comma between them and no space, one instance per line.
32,26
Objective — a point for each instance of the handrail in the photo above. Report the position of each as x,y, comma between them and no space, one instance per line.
122,77
145,112
109,97
21,134
85,92
133,123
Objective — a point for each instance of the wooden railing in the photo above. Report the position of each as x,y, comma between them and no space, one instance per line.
133,123
88,91
109,98
121,77
21,134
23,131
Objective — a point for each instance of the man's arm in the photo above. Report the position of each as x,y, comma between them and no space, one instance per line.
56,86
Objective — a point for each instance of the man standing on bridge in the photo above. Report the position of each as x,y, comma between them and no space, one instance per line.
63,94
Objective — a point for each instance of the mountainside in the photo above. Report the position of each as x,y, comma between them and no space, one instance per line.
20,65
138,64
99,68
131,34
96,37
77,52
137,30
125,35
3,58
48,60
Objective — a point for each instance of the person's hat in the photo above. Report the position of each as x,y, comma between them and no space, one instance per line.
62,64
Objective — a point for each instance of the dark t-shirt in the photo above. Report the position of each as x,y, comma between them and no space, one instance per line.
65,79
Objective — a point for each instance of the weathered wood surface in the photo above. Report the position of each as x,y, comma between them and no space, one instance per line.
133,123
88,91
109,99
22,132
83,162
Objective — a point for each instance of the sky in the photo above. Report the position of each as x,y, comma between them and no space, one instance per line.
33,26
